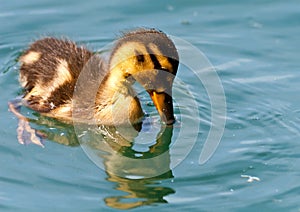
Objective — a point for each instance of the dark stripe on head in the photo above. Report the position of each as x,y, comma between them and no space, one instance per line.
174,62
154,59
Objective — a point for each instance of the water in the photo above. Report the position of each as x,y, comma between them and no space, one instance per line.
254,46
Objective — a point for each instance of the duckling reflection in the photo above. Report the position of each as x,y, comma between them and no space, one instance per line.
126,164
115,148
140,192
123,155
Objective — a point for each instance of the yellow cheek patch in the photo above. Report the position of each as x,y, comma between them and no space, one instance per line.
125,53
124,60
31,57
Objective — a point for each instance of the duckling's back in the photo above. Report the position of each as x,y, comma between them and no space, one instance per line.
48,73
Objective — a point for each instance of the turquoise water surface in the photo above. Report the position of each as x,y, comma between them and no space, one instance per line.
254,47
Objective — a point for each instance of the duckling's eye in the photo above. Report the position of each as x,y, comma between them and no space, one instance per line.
127,75
140,58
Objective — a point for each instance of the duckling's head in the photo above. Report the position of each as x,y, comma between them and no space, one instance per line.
149,57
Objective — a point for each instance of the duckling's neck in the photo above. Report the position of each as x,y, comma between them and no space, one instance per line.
116,102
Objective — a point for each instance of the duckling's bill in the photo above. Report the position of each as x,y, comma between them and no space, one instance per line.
164,105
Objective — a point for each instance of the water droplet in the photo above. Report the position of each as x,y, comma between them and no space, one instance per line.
185,22
151,104
170,8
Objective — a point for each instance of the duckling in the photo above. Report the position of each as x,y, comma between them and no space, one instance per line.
50,68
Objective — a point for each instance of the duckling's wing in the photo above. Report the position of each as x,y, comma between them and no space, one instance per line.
49,72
